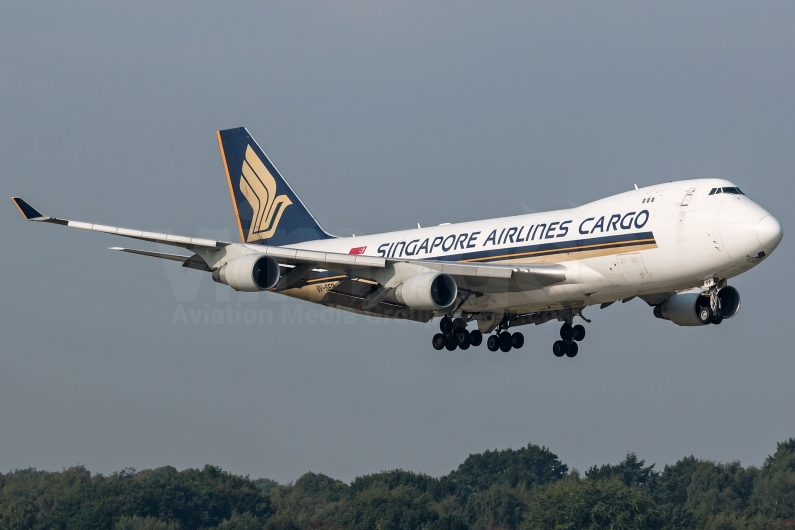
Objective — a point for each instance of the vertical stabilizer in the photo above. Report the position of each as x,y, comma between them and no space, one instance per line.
268,210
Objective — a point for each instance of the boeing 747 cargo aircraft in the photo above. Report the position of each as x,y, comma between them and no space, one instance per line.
673,245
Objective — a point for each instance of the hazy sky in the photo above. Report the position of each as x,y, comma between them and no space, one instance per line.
381,115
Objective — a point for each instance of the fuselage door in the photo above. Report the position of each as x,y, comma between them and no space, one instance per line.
632,267
688,196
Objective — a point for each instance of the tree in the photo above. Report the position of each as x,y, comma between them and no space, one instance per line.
403,507
143,523
671,492
527,466
193,498
575,503
630,471
499,506
716,488
774,490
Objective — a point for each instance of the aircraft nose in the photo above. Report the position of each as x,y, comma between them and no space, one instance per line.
769,232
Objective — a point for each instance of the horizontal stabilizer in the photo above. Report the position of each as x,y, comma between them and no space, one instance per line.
163,255
191,262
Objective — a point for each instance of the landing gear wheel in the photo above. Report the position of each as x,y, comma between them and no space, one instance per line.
517,340
475,337
459,323
566,332
573,349
578,332
718,318
705,314
451,343
506,341
438,341
445,325
462,338
559,348
493,343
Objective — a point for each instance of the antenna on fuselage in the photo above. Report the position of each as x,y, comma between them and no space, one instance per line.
636,186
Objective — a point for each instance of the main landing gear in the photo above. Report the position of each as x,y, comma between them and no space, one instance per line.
454,334
505,341
570,336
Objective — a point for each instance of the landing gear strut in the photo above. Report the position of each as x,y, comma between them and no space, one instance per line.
714,312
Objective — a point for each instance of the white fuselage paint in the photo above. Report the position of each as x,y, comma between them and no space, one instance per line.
688,237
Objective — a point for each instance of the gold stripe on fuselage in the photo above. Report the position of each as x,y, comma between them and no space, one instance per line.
609,247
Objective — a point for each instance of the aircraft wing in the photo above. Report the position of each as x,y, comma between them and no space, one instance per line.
489,277
482,277
191,243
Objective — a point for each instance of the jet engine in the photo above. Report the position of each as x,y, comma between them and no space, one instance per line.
252,272
427,290
691,308
729,301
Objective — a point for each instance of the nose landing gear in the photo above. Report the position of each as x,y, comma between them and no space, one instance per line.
712,314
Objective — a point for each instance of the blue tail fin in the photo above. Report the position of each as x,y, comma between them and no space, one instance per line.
268,210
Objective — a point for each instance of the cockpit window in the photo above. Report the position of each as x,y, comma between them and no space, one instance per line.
734,191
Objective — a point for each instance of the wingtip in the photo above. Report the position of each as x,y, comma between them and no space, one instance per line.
28,212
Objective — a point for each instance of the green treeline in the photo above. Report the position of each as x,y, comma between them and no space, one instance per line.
529,488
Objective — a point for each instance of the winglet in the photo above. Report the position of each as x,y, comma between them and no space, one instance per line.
32,214
28,212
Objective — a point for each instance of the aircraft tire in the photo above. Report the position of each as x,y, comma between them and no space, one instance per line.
493,343
462,338
718,318
704,314
445,325
506,341
566,332
451,343
573,349
475,337
578,332
438,341
517,340
559,348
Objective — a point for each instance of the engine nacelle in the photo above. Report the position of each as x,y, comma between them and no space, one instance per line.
252,272
683,308
427,290
729,301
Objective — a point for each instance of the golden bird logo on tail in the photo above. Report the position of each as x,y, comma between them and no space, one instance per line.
259,189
